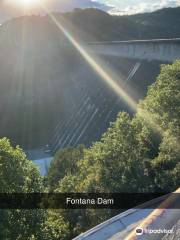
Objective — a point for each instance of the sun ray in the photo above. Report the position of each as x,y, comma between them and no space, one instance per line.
105,76
98,68
92,62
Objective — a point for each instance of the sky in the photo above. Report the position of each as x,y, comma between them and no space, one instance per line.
8,8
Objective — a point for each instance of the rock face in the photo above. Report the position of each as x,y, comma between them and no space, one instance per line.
49,94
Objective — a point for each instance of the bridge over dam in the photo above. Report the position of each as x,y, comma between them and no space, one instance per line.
166,50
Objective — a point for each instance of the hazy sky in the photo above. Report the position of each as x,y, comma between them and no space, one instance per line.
113,6
136,6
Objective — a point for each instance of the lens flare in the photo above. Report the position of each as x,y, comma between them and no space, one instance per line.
93,63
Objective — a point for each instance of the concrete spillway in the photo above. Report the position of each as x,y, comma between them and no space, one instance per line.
156,49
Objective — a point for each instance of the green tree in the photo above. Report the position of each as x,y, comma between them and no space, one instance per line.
116,163
19,175
64,163
162,106
163,98
56,227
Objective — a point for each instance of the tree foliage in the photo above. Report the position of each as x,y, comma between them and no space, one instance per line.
64,163
19,175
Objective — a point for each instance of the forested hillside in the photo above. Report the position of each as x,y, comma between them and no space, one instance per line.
104,27
43,78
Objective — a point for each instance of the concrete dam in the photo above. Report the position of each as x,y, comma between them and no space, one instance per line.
166,50
97,106
89,105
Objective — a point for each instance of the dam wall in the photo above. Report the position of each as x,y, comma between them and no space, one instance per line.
166,50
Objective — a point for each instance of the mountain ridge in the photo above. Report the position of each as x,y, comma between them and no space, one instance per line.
99,25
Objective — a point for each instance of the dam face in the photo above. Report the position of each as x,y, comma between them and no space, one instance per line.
166,50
